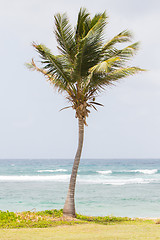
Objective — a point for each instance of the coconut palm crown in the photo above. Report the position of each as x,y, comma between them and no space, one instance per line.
87,64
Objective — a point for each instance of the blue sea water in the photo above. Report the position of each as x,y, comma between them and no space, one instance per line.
124,187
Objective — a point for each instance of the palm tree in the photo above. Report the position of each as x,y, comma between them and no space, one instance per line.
85,67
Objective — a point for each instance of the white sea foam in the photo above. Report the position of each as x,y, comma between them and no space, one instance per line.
104,172
56,170
145,171
90,179
128,181
116,181
26,178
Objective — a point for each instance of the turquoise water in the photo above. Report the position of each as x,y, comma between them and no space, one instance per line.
104,187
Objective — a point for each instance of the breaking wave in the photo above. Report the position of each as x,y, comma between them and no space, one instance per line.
56,170
104,172
142,171
90,179
26,178
145,171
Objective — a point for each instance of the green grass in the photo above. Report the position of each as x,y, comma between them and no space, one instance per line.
104,220
42,219
93,231
51,218
51,224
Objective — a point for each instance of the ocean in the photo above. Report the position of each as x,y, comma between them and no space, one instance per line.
123,187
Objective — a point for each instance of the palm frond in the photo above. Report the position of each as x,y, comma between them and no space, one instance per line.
128,52
33,66
85,23
94,107
124,36
124,54
96,103
82,24
105,66
100,80
123,72
64,35
96,18
89,52
54,66
65,108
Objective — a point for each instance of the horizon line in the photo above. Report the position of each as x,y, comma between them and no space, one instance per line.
81,158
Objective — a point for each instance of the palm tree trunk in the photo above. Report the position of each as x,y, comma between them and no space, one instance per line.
69,206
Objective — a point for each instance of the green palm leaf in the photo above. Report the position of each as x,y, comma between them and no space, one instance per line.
55,67
105,66
124,36
89,52
100,80
83,24
124,54
64,35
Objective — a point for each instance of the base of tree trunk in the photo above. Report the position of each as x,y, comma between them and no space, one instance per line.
67,214
69,208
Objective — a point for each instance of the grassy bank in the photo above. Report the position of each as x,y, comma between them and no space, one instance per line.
51,224
28,219
51,218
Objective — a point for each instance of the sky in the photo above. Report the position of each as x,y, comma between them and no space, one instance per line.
31,126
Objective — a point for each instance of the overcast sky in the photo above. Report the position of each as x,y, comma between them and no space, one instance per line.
31,126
